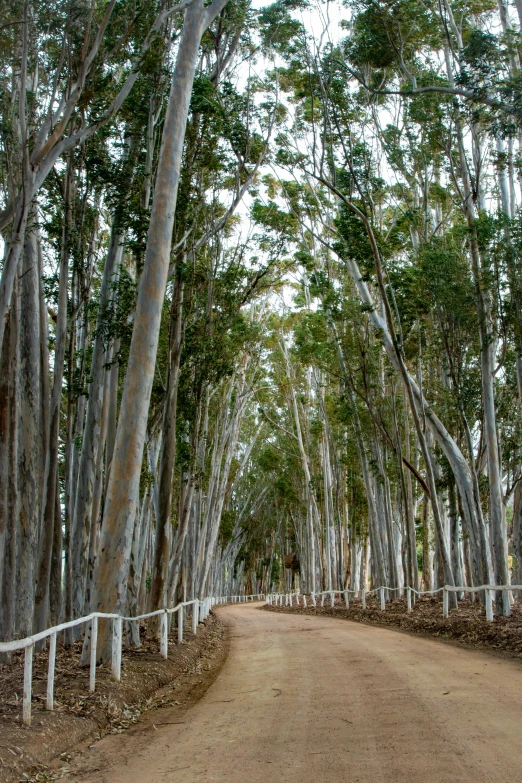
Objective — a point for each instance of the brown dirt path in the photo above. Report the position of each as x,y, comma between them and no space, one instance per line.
319,700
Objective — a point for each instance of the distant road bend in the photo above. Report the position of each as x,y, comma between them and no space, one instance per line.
319,700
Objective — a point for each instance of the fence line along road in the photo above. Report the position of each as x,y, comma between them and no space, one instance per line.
489,590
200,611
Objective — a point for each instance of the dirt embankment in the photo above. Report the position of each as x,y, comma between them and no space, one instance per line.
148,681
467,624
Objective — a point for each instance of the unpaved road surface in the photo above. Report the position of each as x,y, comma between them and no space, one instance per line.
318,700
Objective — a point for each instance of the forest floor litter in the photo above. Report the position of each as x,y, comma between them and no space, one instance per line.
148,682
465,625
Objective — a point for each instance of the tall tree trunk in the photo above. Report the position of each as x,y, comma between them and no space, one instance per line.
215,509
410,507
121,503
9,478
168,455
52,484
487,363
427,562
313,514
30,456
92,442
5,467
517,533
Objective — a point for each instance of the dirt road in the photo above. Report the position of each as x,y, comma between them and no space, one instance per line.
318,700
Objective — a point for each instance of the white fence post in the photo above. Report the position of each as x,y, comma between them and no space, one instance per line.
322,599
312,596
445,602
49,702
347,599
304,601
195,611
116,649
164,635
180,623
290,598
332,598
94,645
489,605
363,598
383,600
408,598
506,604
28,684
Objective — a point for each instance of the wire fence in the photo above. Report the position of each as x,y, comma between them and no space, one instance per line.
200,611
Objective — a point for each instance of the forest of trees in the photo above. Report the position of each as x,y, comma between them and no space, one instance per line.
260,300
